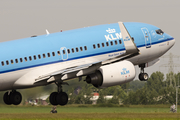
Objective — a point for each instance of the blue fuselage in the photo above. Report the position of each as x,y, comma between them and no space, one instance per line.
75,44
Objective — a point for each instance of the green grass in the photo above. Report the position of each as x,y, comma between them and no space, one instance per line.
90,116
87,113
76,109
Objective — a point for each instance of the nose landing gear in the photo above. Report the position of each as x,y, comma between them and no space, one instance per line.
143,76
59,97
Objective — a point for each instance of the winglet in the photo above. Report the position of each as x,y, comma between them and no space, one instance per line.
128,42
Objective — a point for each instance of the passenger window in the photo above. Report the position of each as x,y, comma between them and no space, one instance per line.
2,63
44,56
98,45
111,42
30,58
21,60
81,48
107,44
58,52
72,50
25,59
48,54
85,47
102,44
53,53
39,56
68,51
132,38
7,62
120,42
16,60
12,62
34,57
77,49
115,42
64,52
94,46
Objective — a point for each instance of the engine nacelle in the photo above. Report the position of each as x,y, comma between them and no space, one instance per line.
112,74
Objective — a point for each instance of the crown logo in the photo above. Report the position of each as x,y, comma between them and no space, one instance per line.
111,30
124,69
127,39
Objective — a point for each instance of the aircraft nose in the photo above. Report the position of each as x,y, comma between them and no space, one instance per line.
172,41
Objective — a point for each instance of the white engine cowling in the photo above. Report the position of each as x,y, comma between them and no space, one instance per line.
112,74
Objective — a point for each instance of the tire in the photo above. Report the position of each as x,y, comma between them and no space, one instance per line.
52,98
62,98
143,77
16,98
140,77
6,99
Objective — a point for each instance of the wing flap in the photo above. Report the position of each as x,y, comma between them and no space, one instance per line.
63,74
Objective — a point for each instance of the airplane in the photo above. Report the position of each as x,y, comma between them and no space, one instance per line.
106,55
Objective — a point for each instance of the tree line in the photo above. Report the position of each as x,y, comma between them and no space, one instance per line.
157,90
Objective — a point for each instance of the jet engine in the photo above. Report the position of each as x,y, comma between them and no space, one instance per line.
112,74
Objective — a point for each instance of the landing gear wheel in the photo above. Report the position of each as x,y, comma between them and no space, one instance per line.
16,98
143,76
53,97
62,98
59,97
6,99
12,98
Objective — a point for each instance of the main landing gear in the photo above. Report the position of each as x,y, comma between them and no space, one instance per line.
59,97
143,76
12,97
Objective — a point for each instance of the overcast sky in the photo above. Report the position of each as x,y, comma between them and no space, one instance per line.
24,18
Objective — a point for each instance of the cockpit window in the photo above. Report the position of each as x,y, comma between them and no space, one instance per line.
160,32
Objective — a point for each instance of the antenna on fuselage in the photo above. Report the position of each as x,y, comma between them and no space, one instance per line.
47,32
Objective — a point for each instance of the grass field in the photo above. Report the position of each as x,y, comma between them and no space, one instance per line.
87,113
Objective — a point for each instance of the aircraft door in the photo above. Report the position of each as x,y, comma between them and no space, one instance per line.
64,53
147,37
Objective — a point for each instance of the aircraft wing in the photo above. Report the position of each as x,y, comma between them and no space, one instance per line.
82,70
